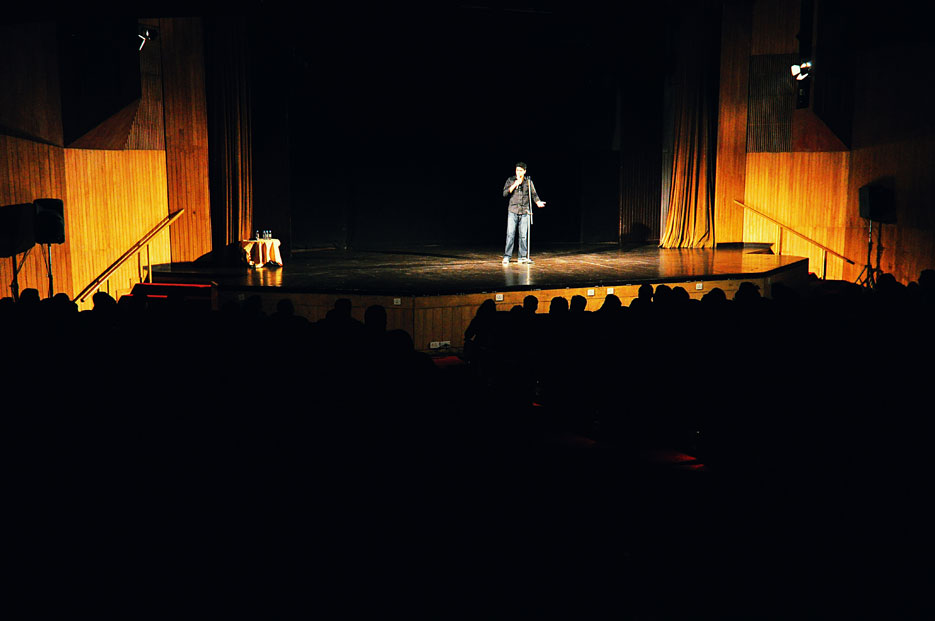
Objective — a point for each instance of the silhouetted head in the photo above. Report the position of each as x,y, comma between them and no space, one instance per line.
64,304
715,296
103,301
645,292
342,307
663,294
285,307
487,308
679,294
578,303
531,303
558,306
611,303
927,280
29,297
399,342
375,318
253,306
889,287
747,292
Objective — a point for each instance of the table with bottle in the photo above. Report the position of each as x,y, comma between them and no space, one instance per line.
262,250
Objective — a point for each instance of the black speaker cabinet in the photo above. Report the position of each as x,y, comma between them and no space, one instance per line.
17,234
876,204
50,221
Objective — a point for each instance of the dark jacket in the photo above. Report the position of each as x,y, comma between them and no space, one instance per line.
519,199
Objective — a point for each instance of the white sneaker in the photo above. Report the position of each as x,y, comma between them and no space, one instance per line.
525,260
506,260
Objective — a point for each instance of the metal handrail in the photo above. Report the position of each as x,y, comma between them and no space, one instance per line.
135,248
784,227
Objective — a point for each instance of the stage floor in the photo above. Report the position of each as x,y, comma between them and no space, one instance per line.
444,270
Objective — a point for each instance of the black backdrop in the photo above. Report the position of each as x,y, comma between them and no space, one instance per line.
403,124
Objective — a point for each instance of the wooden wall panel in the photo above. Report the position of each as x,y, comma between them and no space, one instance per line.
30,95
732,121
775,26
113,199
908,246
894,145
640,218
806,191
31,170
148,130
186,128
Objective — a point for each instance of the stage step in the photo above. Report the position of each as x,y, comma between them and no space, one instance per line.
196,295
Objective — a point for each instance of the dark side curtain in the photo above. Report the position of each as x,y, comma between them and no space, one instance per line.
230,150
690,219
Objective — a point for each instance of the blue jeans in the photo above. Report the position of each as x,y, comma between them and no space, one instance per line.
516,221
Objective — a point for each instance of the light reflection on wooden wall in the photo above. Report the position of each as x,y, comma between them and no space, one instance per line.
805,191
112,199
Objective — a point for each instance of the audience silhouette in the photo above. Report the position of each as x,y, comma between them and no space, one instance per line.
811,399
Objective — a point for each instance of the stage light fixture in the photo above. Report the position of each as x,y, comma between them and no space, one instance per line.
146,33
801,71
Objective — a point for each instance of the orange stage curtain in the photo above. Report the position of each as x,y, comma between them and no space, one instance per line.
690,220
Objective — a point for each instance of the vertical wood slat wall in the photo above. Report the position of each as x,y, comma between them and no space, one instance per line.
31,170
640,217
894,143
148,131
30,95
816,190
908,246
805,191
732,120
113,198
186,132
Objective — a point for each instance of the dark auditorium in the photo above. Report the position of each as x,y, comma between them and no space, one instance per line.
267,353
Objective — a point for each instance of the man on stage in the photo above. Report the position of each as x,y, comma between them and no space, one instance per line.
522,193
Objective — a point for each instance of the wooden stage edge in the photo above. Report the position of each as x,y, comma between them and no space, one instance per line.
437,322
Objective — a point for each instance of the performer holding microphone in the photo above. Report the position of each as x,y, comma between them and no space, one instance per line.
522,194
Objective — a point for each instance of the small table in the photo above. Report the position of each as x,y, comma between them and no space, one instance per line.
259,252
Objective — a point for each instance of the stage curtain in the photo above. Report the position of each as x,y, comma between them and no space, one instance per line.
230,124
690,219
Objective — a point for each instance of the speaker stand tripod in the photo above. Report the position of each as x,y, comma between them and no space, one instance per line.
867,277
14,286
49,268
